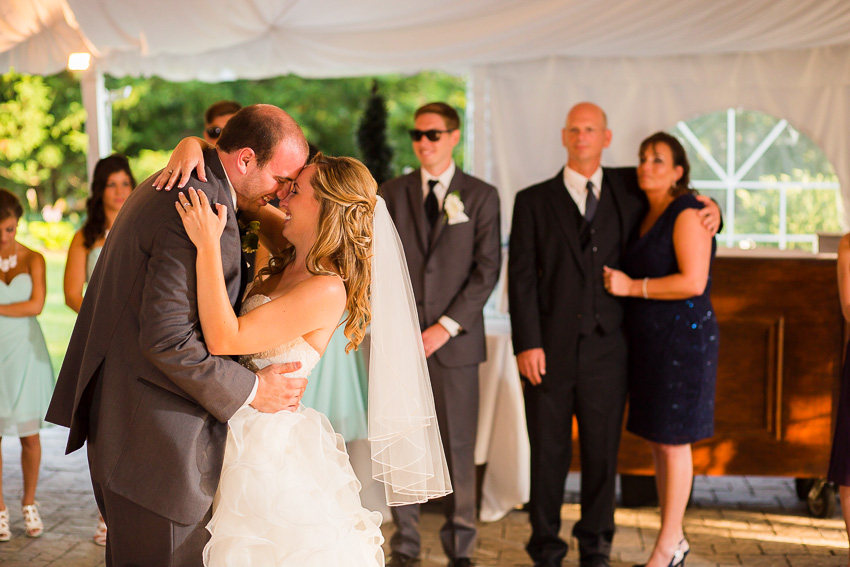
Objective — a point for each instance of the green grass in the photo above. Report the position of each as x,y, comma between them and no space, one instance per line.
57,319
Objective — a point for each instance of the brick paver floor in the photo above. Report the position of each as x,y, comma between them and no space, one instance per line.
741,521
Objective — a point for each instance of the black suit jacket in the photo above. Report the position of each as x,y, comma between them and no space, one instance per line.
544,262
453,269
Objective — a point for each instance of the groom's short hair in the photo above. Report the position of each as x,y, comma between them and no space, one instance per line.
261,127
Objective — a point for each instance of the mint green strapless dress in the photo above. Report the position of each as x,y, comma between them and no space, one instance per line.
337,387
26,376
91,261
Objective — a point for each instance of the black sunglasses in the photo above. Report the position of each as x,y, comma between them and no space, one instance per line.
214,132
432,135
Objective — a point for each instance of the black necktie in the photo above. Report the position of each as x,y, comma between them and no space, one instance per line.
432,207
591,203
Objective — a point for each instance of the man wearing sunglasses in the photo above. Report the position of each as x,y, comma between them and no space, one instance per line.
216,116
448,223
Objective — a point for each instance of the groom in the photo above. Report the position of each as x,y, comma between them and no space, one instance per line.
139,385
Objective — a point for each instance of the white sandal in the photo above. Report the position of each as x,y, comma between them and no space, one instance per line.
32,521
100,532
5,531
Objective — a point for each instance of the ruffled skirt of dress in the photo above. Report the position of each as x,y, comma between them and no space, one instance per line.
288,497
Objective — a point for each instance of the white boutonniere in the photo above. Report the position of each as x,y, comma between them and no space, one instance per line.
454,208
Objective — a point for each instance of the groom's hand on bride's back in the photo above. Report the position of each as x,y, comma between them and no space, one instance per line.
276,391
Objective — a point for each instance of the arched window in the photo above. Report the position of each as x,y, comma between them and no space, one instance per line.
775,186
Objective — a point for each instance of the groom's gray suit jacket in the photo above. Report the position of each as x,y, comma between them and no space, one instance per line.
138,383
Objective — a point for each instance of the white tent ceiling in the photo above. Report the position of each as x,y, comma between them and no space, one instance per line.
221,39
649,63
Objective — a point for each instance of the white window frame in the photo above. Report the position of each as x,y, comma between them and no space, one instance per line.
730,179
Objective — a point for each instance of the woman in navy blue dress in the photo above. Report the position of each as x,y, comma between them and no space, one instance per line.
839,462
672,332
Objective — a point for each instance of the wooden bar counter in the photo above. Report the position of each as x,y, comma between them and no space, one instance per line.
781,347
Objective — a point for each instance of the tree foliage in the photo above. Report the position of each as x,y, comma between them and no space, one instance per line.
158,113
372,137
42,144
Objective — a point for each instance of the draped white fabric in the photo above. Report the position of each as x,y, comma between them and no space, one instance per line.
216,39
36,36
518,142
649,63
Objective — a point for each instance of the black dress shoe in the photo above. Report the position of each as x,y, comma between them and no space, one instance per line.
461,562
398,559
595,561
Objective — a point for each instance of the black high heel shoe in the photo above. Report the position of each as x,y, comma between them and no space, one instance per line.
678,559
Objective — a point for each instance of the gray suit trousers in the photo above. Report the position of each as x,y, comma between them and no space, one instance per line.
456,401
140,538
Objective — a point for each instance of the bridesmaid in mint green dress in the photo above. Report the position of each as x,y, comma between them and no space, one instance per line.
337,388
112,182
26,377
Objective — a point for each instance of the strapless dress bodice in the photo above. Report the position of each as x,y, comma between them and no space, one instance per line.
91,261
295,350
18,289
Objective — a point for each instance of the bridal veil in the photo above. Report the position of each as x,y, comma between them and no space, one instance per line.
407,453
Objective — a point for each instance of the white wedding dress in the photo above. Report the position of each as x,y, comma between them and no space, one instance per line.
288,495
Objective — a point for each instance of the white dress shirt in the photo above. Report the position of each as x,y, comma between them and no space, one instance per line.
441,189
576,184
253,393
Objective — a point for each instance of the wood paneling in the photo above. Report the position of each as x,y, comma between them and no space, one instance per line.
781,347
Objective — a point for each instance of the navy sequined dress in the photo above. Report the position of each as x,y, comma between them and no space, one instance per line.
672,344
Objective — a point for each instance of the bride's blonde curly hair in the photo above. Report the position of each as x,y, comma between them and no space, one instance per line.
347,194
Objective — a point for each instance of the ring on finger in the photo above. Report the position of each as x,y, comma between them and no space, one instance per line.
170,171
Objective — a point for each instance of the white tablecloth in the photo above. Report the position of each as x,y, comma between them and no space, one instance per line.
502,440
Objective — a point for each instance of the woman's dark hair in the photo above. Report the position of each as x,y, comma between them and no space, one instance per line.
95,225
680,158
10,206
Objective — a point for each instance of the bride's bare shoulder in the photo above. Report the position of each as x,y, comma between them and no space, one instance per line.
324,287
313,291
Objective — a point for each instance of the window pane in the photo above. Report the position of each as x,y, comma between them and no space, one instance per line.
710,130
806,246
756,212
791,157
814,210
751,128
780,161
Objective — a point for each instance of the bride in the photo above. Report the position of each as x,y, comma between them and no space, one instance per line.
287,494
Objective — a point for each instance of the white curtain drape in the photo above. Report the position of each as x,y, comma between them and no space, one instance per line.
222,39
522,106
36,36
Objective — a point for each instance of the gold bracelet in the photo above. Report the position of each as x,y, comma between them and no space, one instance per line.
643,288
